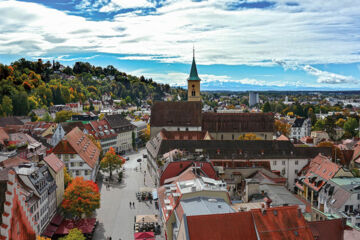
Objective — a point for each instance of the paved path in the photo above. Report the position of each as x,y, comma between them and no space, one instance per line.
116,218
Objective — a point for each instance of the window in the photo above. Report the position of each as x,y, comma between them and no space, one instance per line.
233,137
193,93
296,171
222,137
81,164
86,172
283,172
358,196
274,163
296,162
77,173
72,164
283,163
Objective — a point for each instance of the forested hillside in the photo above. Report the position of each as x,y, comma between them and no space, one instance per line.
27,85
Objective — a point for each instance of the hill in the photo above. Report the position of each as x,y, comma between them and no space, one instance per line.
27,85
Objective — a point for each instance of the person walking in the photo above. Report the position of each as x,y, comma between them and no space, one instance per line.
130,204
133,205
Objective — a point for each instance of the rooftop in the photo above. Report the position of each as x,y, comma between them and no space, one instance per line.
204,206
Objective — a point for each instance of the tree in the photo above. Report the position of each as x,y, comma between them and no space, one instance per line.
91,108
319,125
7,105
350,125
47,117
249,136
81,197
67,177
63,116
74,234
282,127
340,122
20,103
312,116
111,162
266,107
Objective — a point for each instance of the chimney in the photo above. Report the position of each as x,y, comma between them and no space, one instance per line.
263,210
299,213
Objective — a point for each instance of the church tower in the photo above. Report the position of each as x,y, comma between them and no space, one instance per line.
193,82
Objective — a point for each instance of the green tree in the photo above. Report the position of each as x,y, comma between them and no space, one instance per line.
74,234
21,104
319,125
312,116
63,116
7,105
91,108
47,117
266,107
350,125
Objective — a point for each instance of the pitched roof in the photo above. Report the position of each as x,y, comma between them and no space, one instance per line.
229,149
238,225
54,162
282,138
174,169
68,126
76,142
281,223
193,72
175,114
321,169
327,229
237,122
298,122
118,121
100,129
13,162
4,121
3,135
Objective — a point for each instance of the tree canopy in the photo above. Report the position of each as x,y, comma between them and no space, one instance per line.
81,197
111,162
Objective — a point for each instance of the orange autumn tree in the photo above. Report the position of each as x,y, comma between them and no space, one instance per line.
111,162
81,197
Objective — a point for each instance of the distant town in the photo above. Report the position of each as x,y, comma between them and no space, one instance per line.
93,153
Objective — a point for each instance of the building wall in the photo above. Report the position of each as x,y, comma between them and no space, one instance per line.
59,179
57,136
236,135
77,167
155,130
182,232
124,141
107,143
303,131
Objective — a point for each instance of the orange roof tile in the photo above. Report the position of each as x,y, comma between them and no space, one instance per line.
54,162
281,223
237,225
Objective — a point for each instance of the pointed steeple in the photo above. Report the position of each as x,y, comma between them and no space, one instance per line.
193,72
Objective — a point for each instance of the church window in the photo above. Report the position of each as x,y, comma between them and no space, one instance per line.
193,93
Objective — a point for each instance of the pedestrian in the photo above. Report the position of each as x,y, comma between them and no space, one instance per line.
133,205
130,204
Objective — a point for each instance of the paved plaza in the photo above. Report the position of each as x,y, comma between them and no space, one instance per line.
115,217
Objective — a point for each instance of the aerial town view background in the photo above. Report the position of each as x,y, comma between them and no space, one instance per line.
179,120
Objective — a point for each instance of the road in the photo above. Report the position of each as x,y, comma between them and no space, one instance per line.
115,217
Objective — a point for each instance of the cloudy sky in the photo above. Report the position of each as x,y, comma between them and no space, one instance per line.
240,45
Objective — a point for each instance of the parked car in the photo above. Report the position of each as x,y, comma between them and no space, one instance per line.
144,155
139,160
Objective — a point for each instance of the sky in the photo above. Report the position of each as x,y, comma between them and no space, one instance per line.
239,45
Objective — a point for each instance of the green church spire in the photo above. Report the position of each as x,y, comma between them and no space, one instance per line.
193,72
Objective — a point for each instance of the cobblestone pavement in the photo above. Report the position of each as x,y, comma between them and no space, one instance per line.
115,217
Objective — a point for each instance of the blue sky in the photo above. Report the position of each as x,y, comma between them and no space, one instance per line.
240,45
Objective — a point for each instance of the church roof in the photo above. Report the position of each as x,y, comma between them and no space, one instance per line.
193,72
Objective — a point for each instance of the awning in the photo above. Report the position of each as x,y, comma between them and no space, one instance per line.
154,194
144,235
146,219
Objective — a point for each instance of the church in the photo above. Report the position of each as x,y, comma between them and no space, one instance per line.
188,116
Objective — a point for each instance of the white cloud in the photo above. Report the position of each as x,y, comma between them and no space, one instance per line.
115,5
322,76
312,32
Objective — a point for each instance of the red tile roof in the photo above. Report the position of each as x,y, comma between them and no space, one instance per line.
100,129
321,169
327,229
3,135
281,223
283,138
54,162
76,142
232,226
173,169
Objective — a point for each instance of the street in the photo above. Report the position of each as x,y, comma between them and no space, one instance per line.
115,217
